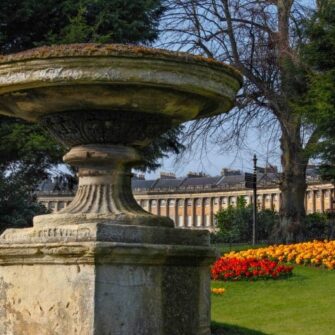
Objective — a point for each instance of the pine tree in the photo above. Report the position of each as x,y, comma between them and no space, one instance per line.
319,102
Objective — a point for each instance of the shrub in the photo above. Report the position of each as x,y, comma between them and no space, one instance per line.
235,224
318,226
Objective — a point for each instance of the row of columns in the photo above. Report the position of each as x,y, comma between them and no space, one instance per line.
208,207
319,200
181,213
200,211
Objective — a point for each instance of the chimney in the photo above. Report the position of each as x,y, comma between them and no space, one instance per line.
230,172
196,174
167,175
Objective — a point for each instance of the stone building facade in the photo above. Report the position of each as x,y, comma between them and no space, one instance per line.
192,201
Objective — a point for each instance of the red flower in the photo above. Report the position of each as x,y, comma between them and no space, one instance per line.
227,268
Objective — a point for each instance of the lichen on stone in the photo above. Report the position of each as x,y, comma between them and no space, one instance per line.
127,50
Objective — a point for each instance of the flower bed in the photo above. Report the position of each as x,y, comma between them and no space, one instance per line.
230,268
317,253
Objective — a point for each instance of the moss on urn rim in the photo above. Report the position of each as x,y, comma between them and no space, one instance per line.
92,49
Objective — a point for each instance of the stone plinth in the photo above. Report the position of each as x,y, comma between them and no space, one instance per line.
57,281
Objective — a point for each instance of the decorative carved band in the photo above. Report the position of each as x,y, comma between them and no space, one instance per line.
74,128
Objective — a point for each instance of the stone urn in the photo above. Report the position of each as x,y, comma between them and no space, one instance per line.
103,265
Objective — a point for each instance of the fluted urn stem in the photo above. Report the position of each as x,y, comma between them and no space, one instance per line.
104,192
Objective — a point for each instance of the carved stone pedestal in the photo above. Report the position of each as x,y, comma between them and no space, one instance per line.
104,266
78,287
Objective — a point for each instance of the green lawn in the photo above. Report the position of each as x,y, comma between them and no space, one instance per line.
304,304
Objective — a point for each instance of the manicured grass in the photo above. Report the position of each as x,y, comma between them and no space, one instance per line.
300,305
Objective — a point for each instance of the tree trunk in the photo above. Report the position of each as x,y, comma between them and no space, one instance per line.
294,161
293,185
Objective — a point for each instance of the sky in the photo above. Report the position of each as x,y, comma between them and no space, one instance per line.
215,159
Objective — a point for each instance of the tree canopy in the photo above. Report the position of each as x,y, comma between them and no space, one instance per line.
29,23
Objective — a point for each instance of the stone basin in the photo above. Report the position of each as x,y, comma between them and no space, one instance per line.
118,78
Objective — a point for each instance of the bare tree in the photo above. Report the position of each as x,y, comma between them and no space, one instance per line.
261,38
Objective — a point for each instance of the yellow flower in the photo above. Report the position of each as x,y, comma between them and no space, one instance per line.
315,252
218,291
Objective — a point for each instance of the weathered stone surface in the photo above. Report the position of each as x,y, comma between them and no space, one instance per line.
74,128
46,299
177,86
94,288
105,232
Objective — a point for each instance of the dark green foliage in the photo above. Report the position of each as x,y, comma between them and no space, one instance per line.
319,226
18,204
235,223
26,154
266,221
318,104
27,150
320,33
167,143
29,23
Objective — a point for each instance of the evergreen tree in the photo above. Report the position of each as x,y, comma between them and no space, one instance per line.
29,23
319,101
